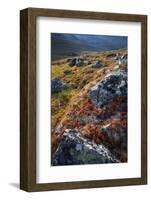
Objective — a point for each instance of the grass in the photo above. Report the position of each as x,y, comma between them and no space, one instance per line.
59,102
76,80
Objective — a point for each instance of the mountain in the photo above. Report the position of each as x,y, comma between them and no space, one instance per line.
64,45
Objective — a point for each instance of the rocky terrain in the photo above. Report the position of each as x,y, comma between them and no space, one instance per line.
75,149
89,108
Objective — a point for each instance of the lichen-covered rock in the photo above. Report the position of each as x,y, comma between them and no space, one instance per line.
97,64
74,149
72,62
113,85
78,62
124,59
57,85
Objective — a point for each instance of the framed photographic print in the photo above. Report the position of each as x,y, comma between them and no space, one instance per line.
83,93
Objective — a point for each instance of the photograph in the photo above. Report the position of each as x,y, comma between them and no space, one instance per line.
88,105
83,99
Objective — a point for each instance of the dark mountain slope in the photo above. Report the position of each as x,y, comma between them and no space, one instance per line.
63,45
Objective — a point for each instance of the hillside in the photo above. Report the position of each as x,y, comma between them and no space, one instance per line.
64,45
89,100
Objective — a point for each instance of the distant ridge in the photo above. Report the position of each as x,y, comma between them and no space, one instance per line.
64,45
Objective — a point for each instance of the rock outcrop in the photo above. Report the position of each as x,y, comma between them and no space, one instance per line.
72,62
124,59
74,149
78,62
89,121
97,64
113,85
57,85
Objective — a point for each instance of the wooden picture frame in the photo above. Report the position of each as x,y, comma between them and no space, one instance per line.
28,98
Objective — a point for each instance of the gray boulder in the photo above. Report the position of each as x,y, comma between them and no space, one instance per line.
72,62
57,85
74,149
124,59
76,62
79,62
97,64
113,85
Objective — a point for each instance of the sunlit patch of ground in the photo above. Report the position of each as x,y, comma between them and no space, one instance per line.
72,108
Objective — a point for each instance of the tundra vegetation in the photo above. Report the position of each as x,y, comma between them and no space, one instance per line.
89,108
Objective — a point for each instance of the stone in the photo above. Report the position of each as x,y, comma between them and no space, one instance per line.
113,85
74,149
124,59
97,64
57,85
72,62
79,62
